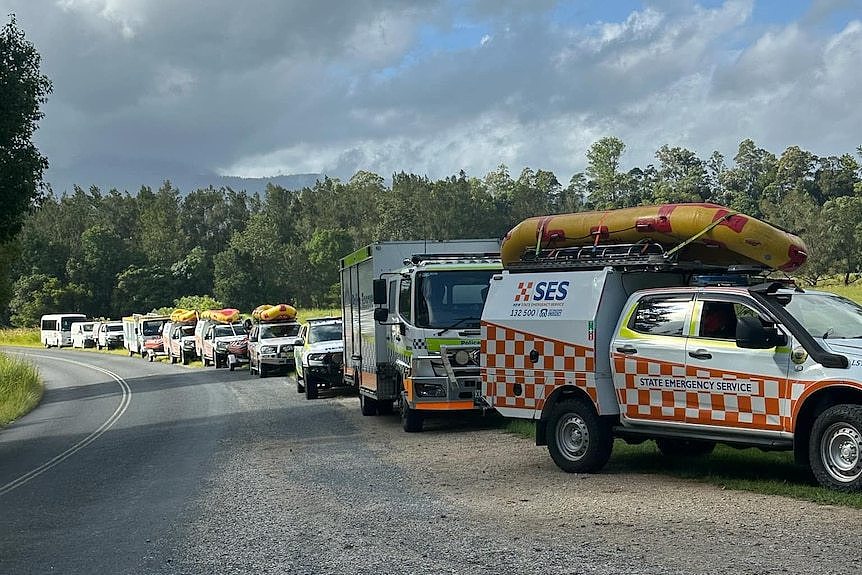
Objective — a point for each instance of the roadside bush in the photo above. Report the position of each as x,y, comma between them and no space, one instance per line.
27,336
21,388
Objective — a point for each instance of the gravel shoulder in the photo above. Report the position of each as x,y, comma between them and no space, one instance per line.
314,487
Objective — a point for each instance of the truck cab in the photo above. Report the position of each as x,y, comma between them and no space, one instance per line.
685,361
180,342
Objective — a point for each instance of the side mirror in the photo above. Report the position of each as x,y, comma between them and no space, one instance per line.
379,289
752,334
381,314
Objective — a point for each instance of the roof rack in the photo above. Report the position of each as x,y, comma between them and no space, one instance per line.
642,255
418,258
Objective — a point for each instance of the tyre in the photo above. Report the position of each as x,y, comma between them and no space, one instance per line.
184,359
385,407
367,405
131,353
834,448
411,419
173,359
218,360
310,389
206,361
578,440
672,447
261,370
231,366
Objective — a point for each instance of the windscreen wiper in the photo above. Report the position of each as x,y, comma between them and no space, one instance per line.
456,324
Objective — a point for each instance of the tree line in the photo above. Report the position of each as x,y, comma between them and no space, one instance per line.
113,253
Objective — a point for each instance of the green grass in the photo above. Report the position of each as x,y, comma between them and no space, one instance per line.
20,336
770,473
303,314
21,388
852,291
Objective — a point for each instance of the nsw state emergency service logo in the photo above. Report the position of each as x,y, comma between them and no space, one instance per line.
524,289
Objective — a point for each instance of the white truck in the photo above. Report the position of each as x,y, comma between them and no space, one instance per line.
682,356
142,334
270,346
420,348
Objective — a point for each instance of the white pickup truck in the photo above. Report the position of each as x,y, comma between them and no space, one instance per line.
270,347
684,359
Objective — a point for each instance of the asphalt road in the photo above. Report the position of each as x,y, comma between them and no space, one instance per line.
133,452
160,469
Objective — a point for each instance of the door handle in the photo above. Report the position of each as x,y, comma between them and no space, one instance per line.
700,354
627,349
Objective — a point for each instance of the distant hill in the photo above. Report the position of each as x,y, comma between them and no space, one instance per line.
130,178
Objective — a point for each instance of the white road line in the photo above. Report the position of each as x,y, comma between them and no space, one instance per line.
121,408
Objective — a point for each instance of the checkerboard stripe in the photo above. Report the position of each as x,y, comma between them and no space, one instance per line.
506,367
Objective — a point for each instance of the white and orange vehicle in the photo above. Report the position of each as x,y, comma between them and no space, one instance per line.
420,348
642,346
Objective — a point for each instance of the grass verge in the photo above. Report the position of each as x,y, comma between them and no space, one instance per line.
21,388
20,336
770,473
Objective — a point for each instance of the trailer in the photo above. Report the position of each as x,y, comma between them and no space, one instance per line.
419,348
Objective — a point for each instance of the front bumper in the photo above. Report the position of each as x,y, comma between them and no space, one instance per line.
327,376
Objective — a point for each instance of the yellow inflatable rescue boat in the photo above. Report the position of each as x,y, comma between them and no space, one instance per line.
708,233
280,312
181,315
226,315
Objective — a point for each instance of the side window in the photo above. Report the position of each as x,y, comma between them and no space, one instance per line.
661,315
718,319
404,299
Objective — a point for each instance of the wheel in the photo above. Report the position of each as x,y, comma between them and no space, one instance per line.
218,361
834,448
206,361
367,405
99,346
261,370
173,359
231,366
184,359
310,389
131,353
411,419
299,387
684,447
46,345
578,440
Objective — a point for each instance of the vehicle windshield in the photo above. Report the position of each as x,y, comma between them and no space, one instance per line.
279,330
153,327
448,297
325,332
66,322
187,330
825,315
87,327
228,330
115,327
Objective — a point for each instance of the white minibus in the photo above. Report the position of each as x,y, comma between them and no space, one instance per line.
56,328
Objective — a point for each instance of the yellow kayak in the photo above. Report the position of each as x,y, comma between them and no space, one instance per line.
718,235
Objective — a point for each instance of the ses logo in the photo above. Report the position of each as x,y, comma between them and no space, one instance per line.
542,291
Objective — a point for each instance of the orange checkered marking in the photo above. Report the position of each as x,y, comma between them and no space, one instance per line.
512,380
767,407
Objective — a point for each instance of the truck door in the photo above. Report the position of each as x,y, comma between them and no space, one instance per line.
735,387
649,360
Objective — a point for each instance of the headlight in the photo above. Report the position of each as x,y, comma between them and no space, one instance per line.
267,349
461,357
221,345
188,344
430,390
316,356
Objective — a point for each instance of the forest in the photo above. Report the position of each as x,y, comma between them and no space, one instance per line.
108,253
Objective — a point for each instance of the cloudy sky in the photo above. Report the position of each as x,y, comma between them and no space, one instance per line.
268,87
